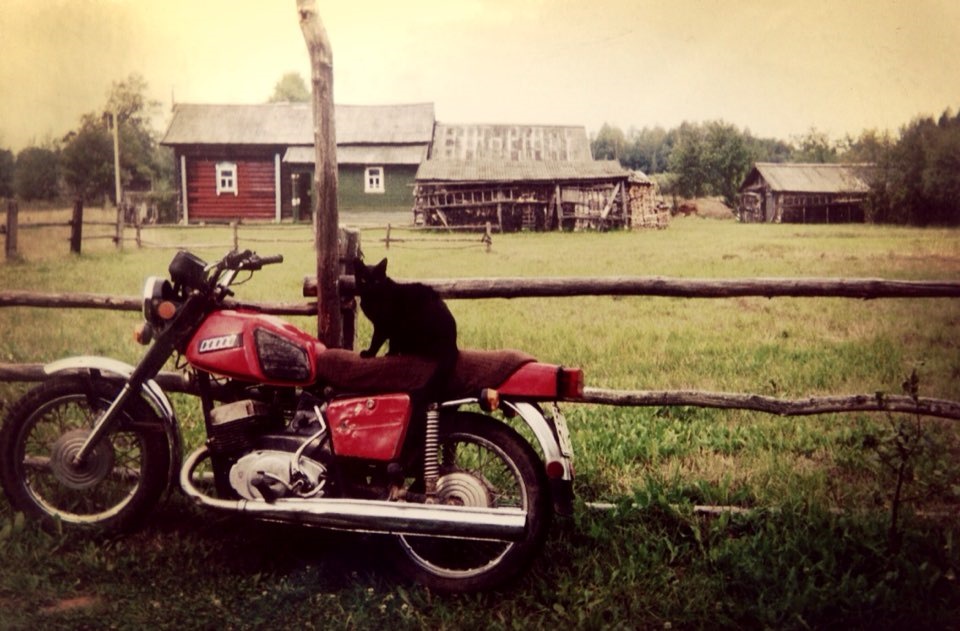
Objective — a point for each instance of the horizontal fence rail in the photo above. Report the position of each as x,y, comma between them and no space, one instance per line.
610,286
864,288
808,406
476,288
75,300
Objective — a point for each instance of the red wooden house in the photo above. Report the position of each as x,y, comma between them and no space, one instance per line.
255,162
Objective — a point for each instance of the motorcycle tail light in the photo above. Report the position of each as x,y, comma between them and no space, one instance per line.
570,383
489,400
555,469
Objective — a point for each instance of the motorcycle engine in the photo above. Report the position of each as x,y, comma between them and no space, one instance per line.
270,465
269,474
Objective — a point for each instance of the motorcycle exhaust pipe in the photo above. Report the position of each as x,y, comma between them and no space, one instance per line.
462,522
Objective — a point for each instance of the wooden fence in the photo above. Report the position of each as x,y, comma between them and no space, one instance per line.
634,286
142,233
13,227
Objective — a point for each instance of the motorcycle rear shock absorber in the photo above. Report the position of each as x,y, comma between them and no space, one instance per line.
431,464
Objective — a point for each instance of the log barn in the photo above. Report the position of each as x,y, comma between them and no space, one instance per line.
531,177
804,193
255,162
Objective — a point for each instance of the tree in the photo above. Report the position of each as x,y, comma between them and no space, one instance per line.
87,160
768,149
687,161
917,179
608,144
814,146
870,147
36,174
291,88
940,180
88,151
7,164
647,150
727,159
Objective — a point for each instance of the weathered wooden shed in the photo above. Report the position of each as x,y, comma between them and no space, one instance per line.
534,177
519,195
256,161
804,193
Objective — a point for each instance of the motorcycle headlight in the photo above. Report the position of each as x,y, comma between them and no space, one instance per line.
158,306
188,270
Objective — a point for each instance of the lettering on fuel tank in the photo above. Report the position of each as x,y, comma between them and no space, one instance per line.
220,343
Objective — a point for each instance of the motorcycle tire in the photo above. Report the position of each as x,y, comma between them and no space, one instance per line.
123,476
483,462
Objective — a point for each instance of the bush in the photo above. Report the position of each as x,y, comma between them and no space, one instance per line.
37,174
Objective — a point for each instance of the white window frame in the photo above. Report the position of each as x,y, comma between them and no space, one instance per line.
373,183
227,178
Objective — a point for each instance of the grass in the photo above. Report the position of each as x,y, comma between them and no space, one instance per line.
815,553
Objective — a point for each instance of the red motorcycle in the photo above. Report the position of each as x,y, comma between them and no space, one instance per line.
297,432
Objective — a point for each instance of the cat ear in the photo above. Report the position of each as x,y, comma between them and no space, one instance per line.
380,269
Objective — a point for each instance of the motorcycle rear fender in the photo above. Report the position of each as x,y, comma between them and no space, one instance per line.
151,393
561,487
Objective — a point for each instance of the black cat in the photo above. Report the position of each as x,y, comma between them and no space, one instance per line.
411,316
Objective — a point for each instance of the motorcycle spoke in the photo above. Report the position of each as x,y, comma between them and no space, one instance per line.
478,473
104,496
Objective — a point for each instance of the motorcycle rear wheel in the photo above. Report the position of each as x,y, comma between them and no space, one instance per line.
482,463
120,481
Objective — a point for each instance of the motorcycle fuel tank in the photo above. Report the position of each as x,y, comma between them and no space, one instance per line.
251,346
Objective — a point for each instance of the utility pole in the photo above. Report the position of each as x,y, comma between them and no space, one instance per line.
116,177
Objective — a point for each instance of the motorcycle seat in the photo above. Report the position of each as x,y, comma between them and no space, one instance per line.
346,371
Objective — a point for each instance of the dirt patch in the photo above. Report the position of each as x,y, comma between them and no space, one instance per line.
71,604
713,208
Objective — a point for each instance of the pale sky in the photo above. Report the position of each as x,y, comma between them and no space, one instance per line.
778,68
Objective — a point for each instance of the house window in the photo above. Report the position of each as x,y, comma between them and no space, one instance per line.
226,177
373,180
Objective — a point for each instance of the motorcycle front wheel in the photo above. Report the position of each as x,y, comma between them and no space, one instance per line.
487,464
121,479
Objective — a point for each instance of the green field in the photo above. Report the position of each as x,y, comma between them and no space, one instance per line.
816,551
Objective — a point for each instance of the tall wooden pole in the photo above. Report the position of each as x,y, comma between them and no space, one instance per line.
116,178
326,220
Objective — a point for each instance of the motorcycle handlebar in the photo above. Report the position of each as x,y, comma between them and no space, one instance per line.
270,260
248,260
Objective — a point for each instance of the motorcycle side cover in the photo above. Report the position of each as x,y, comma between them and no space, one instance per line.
251,346
372,428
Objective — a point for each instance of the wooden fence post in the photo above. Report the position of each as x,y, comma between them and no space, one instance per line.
349,251
138,225
76,226
387,240
235,225
118,239
326,219
13,212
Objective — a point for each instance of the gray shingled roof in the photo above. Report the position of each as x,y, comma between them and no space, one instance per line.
362,154
292,124
507,171
792,177
563,143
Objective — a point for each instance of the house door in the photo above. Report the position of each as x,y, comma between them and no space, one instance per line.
302,191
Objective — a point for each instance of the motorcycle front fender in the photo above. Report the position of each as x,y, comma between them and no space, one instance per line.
151,392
